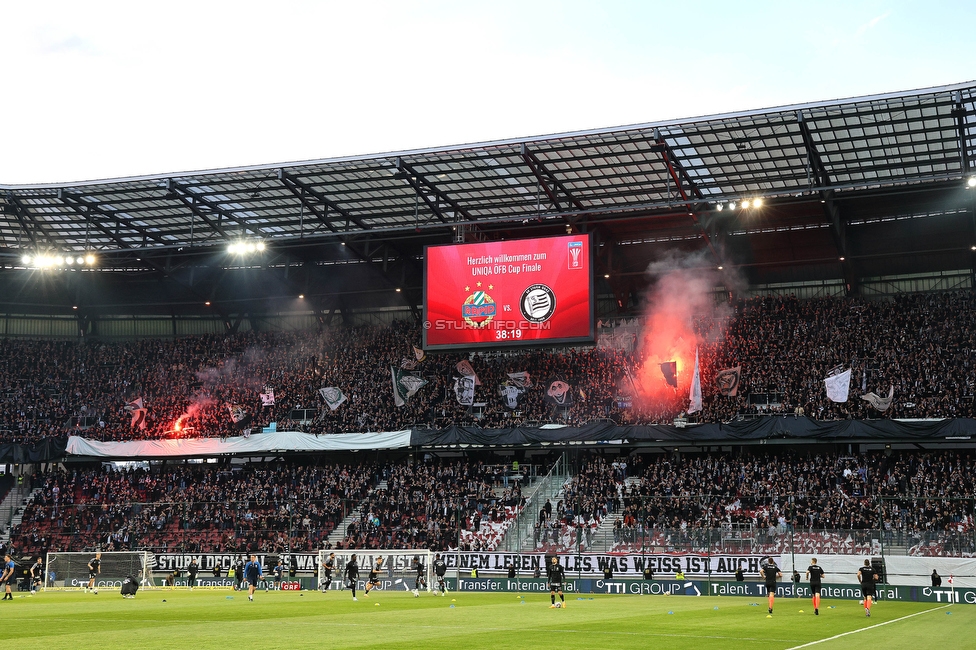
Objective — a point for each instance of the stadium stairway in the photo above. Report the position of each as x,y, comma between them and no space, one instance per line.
602,539
12,509
339,532
519,535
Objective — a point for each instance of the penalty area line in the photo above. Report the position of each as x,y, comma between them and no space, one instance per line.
870,627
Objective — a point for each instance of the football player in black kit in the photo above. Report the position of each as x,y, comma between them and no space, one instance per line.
374,576
36,575
352,575
770,572
421,581
440,568
94,569
815,575
328,568
557,575
867,576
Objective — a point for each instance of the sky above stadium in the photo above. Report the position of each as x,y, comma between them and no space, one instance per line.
99,90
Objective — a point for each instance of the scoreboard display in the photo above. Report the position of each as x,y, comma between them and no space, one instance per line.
508,293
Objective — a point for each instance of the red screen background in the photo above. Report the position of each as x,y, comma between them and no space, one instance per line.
457,273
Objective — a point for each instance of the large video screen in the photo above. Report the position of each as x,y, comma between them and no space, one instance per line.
508,293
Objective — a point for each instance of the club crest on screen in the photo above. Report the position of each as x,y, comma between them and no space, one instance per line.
478,309
538,303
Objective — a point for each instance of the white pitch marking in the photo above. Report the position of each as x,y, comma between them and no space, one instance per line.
870,627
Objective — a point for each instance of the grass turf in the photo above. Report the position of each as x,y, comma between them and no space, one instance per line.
219,619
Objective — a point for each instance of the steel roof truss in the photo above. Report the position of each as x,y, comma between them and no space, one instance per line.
422,186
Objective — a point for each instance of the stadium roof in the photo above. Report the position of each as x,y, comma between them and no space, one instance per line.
868,186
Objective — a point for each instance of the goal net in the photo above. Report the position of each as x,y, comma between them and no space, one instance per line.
70,570
398,572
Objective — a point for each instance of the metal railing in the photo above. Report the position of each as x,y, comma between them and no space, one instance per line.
547,487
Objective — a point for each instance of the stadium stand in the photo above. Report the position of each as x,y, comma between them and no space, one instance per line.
824,502
784,346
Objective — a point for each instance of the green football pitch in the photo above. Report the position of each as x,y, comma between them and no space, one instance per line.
222,619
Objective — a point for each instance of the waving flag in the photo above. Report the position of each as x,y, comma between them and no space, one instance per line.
838,386
878,402
696,394
727,381
559,393
405,385
333,397
511,395
465,368
464,390
138,413
240,416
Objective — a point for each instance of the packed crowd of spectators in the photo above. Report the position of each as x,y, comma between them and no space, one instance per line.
439,506
192,508
922,345
914,501
920,503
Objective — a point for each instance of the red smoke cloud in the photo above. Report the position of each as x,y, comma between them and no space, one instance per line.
685,289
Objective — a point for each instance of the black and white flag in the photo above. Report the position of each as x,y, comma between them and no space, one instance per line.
405,385
520,379
466,370
727,381
464,390
878,402
511,395
138,413
240,416
333,397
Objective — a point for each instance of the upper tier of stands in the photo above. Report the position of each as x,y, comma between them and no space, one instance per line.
920,344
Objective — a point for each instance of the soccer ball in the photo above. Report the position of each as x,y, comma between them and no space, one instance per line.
860,602
559,605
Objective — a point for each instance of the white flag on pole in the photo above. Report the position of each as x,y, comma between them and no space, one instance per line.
838,386
695,395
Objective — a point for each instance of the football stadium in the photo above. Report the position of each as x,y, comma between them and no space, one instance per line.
704,382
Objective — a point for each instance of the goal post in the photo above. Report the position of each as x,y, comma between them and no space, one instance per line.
398,571
70,570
